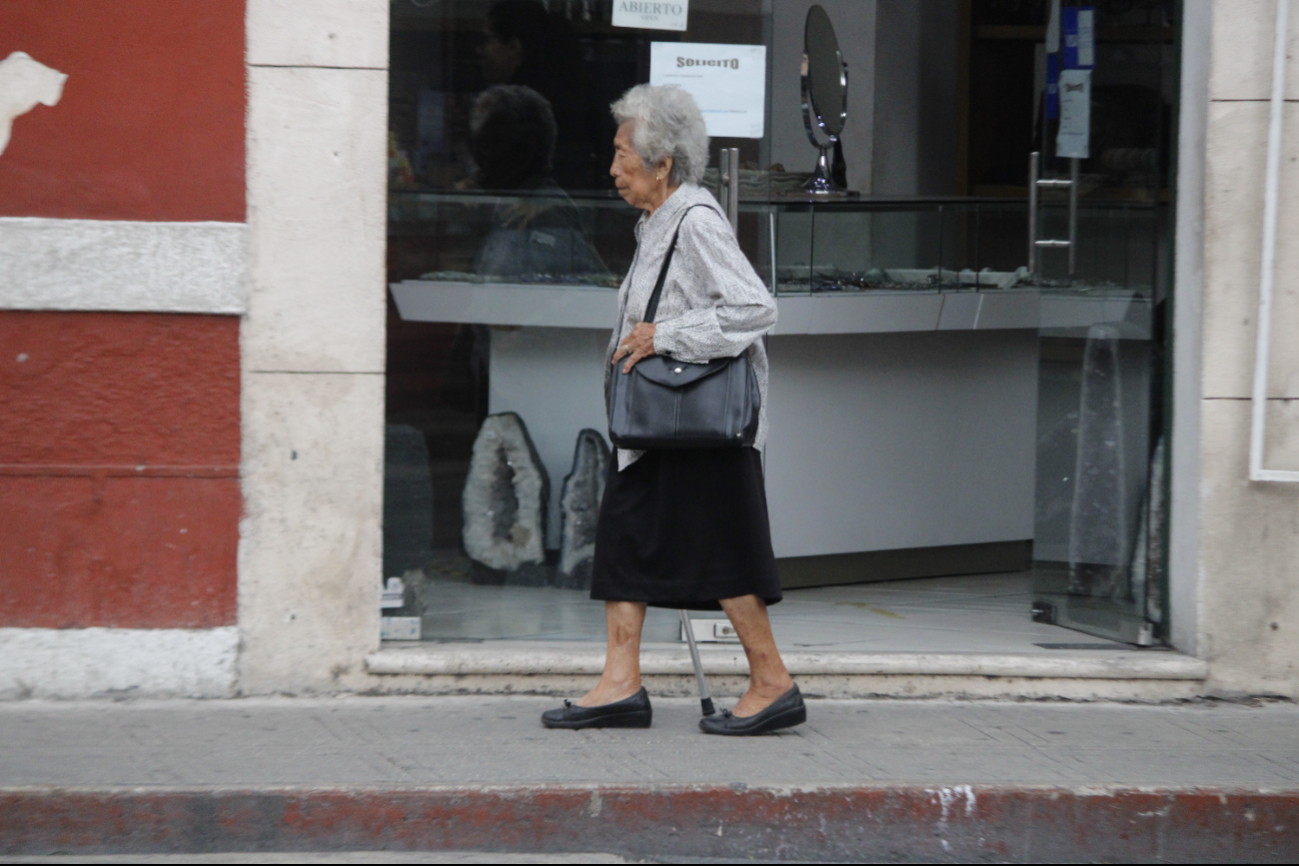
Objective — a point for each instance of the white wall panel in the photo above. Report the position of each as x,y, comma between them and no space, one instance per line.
88,662
122,265
311,537
887,441
1233,230
317,179
351,33
1241,50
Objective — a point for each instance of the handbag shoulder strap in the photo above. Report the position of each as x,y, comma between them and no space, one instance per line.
653,306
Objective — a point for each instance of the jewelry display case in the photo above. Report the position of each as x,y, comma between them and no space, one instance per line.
868,265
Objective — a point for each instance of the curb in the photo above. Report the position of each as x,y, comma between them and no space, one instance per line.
884,823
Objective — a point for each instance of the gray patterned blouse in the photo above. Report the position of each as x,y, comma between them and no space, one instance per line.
713,303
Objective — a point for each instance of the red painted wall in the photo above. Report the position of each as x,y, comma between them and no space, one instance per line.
151,122
119,453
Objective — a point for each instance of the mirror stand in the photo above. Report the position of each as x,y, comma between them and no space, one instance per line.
822,180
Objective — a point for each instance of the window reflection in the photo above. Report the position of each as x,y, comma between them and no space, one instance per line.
524,45
513,139
502,217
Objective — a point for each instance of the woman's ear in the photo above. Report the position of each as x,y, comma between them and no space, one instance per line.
664,169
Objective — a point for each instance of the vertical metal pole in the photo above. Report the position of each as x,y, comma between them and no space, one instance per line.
771,225
1073,215
705,699
733,188
1032,210
724,180
939,282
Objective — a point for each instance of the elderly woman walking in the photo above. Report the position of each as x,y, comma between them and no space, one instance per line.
684,528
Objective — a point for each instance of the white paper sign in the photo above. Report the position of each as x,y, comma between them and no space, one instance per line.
1086,38
728,81
1075,114
651,14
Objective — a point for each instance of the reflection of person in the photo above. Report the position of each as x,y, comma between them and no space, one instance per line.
524,44
684,528
512,137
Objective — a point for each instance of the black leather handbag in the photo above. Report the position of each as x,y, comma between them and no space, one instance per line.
665,403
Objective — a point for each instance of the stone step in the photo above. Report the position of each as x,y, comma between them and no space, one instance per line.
545,667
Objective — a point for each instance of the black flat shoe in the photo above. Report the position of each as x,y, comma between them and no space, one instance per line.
633,712
785,712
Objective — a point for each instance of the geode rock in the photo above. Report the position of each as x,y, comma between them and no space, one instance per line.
407,501
579,508
505,501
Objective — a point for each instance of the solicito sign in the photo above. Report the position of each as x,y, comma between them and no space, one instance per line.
729,82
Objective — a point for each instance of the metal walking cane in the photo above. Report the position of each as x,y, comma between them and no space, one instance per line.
729,175
705,699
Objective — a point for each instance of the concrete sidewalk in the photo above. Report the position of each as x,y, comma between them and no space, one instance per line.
500,741
904,780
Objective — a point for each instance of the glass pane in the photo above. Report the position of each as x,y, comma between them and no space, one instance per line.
1100,540
507,242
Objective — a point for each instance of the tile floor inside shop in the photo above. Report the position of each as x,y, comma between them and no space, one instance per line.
974,613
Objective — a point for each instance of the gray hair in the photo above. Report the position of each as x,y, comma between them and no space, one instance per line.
666,122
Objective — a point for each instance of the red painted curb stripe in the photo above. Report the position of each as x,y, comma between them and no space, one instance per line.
1008,824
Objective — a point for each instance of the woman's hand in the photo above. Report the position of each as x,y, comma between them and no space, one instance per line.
638,344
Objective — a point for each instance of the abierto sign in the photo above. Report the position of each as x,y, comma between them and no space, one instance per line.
651,14
728,81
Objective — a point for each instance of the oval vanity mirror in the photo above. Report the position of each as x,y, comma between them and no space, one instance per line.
827,78
825,95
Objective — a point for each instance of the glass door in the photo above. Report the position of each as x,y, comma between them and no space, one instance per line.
1104,103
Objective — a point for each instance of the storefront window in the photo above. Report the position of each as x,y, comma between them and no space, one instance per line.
943,401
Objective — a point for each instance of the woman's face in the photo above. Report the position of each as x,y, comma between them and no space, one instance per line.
640,185
500,59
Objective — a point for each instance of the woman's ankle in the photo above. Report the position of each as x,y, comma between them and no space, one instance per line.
771,685
630,685
609,691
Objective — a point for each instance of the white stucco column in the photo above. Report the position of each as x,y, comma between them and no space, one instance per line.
313,343
1248,622
1188,326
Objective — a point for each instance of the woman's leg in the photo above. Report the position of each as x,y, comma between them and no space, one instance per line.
768,678
621,677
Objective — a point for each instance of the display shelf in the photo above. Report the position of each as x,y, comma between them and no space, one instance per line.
558,306
554,306
546,239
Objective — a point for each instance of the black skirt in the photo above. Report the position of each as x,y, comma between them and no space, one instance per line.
683,529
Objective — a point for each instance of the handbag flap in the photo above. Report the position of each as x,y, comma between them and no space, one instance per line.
662,370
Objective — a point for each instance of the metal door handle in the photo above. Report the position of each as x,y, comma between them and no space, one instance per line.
729,191
1036,183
